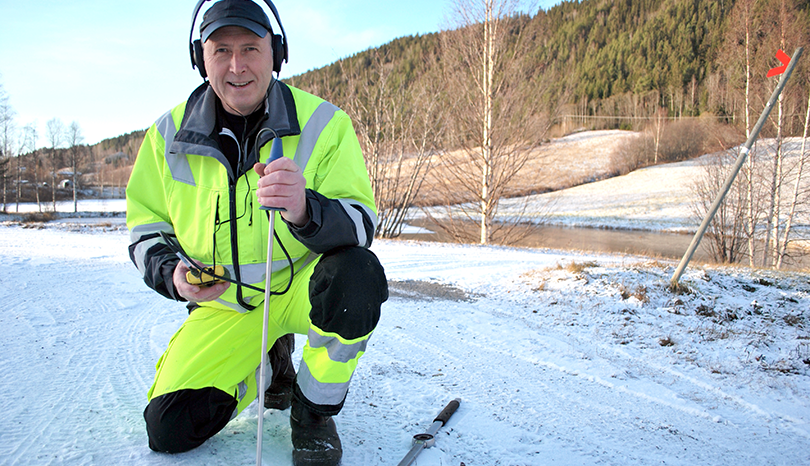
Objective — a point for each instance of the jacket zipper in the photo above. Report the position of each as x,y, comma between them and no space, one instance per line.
232,181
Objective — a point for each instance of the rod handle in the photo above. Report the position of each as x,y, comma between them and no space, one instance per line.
448,411
276,152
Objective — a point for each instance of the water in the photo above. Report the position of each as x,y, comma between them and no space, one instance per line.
637,242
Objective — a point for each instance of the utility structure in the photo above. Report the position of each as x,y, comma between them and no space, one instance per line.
788,69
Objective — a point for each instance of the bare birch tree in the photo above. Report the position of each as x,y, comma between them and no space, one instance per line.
55,132
7,137
757,29
76,151
798,195
783,23
399,130
5,168
774,191
495,126
30,138
659,121
739,39
408,160
726,239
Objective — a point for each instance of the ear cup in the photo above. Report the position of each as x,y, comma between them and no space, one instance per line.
197,57
279,52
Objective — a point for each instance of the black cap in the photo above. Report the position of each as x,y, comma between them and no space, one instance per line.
242,13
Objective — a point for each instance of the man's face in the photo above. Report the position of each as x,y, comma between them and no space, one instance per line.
240,67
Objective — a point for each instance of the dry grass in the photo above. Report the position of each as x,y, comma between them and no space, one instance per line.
666,341
579,267
679,289
559,164
639,292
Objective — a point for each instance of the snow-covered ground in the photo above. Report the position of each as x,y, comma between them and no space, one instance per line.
655,198
559,358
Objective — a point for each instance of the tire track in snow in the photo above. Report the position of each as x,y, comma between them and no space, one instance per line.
577,403
669,388
74,362
712,397
56,355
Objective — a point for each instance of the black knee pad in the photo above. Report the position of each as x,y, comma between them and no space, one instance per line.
183,420
346,290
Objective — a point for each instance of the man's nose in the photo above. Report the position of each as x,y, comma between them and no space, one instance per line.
237,63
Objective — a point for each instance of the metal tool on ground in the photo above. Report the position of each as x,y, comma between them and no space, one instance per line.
426,440
276,152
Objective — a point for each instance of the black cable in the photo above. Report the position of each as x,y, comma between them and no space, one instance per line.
175,248
178,250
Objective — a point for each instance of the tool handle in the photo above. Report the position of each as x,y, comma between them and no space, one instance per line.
448,411
276,152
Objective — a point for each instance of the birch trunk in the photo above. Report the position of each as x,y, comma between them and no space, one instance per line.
794,200
751,221
490,29
772,225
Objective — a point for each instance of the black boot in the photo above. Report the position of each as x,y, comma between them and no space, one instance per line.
279,394
314,437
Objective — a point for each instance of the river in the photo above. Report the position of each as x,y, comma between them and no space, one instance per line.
654,244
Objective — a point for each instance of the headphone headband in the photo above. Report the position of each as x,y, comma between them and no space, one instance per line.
281,52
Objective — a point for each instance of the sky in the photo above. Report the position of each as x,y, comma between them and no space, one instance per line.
115,67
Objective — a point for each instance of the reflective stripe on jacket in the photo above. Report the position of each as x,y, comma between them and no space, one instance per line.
183,184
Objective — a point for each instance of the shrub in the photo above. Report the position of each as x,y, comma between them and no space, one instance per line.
38,217
630,154
678,140
682,140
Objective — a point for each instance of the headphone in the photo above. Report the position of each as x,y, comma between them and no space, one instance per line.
278,42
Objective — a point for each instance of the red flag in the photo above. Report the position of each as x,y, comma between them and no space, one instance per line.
782,56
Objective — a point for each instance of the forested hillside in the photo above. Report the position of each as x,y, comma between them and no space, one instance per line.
619,58
591,64
624,57
463,111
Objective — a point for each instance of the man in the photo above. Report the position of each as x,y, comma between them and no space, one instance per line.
196,191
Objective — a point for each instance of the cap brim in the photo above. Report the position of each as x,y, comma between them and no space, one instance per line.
252,26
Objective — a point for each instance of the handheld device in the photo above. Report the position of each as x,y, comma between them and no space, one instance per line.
206,276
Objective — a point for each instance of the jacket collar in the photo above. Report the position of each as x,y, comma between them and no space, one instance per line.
196,132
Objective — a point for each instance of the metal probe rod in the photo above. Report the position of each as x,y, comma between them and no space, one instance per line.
276,151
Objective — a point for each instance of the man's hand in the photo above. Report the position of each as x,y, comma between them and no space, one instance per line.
282,185
195,293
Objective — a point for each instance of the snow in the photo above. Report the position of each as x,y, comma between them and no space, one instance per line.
656,198
559,357
653,198
83,205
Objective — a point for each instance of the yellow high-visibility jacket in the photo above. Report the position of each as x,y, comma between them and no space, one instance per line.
182,184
